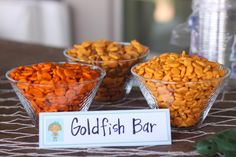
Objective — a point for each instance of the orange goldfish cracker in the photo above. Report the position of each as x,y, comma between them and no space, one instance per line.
115,58
54,87
194,79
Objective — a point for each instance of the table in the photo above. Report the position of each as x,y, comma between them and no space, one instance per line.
19,137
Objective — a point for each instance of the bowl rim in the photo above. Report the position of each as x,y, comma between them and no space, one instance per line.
101,71
94,61
189,82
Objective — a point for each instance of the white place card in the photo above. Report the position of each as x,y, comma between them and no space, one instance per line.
104,128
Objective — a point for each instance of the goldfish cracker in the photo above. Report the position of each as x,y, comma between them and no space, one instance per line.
115,58
191,80
51,87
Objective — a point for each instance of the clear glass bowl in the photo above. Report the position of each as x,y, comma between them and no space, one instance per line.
43,97
118,81
189,102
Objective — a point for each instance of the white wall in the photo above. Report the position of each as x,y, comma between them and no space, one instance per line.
42,22
96,19
49,22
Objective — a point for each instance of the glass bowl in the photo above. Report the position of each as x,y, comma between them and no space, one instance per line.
189,102
118,81
56,97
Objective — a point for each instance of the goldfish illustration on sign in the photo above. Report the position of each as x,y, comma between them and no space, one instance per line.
55,128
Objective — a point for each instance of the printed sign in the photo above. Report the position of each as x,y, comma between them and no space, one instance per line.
104,128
